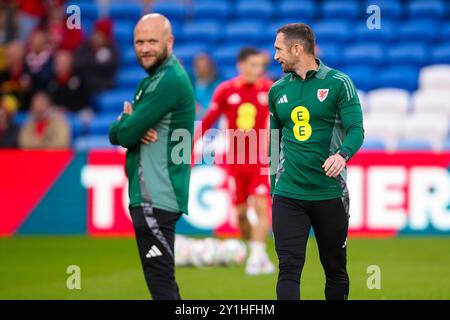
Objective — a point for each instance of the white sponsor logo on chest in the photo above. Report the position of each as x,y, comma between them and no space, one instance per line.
262,98
234,99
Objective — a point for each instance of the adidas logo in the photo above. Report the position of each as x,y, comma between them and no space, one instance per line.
283,99
153,252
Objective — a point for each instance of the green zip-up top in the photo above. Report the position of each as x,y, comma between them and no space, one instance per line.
316,117
159,172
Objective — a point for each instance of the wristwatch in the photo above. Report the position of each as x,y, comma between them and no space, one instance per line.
343,155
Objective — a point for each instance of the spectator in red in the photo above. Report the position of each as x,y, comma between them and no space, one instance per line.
98,58
61,37
9,131
67,88
46,128
38,60
14,79
31,13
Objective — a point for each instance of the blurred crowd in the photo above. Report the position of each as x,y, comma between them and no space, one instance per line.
51,73
48,70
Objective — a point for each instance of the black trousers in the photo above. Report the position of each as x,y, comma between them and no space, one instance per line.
292,221
155,237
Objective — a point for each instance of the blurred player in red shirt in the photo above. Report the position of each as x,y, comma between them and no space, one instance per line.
244,103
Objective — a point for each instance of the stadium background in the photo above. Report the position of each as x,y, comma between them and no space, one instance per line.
56,206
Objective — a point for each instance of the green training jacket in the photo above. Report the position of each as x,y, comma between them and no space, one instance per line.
314,118
159,172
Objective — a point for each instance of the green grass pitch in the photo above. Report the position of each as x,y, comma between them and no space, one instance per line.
35,268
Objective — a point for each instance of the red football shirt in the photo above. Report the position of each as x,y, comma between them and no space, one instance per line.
245,107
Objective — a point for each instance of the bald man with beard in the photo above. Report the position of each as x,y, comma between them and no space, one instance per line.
156,128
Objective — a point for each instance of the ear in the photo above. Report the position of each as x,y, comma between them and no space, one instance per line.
297,49
170,41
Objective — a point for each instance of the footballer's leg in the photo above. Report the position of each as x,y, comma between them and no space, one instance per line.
258,190
239,187
243,222
291,227
155,236
330,223
259,262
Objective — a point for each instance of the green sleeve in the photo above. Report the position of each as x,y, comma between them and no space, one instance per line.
275,142
351,115
158,99
113,133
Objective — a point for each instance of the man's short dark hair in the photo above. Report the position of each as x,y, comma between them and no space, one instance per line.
246,52
299,32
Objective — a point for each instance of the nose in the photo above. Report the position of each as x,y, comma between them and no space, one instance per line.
275,57
145,47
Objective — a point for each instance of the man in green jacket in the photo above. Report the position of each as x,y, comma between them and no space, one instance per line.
157,166
316,127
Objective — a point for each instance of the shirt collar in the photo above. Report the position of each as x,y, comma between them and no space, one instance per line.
310,73
240,82
170,58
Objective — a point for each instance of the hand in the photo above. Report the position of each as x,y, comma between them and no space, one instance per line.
334,165
127,108
150,136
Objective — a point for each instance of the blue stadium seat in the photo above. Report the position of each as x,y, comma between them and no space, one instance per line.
446,145
331,54
130,77
173,10
92,142
373,144
426,9
441,53
391,9
245,31
412,144
216,10
128,57
403,77
126,10
76,126
293,9
228,72
186,52
256,9
101,123
208,31
20,118
341,9
226,55
123,32
362,76
408,53
87,9
87,25
332,30
384,34
364,53
275,72
423,29
445,31
112,100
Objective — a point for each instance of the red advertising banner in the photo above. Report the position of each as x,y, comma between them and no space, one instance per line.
390,194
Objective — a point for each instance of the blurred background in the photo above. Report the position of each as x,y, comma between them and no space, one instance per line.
62,86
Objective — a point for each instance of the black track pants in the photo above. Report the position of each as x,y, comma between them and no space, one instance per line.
155,236
292,221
